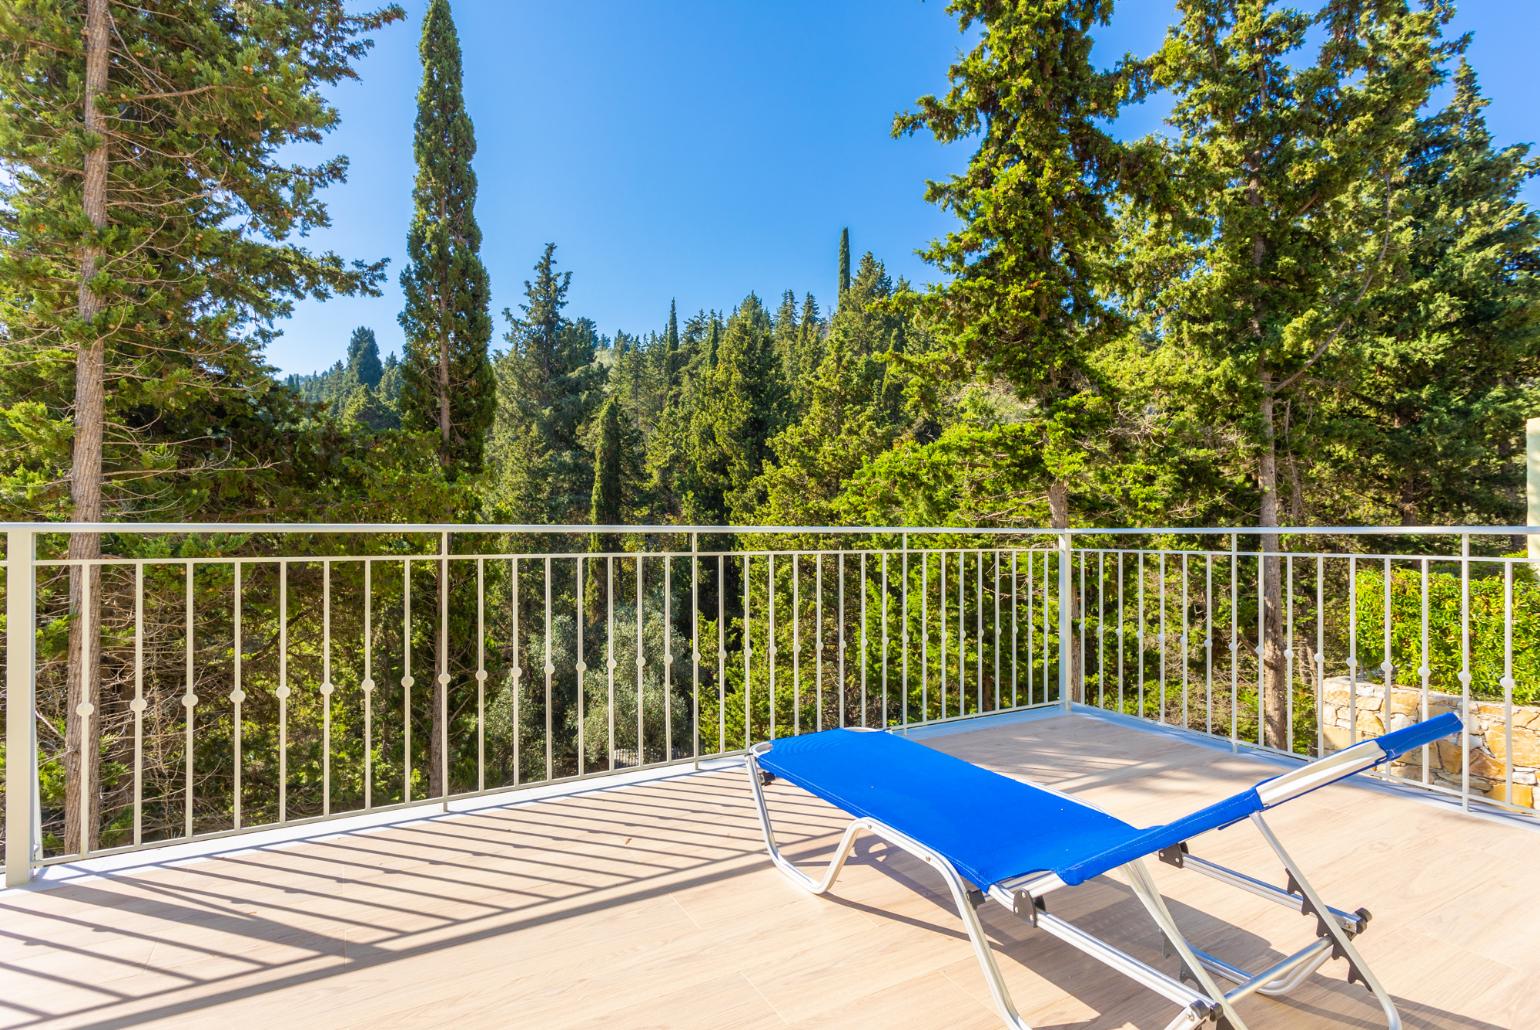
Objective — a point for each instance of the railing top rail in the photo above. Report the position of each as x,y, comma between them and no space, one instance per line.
156,528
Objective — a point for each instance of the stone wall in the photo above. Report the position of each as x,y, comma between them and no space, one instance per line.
1488,736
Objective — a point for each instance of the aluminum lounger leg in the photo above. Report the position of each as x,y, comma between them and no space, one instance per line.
1145,890
948,873
1344,942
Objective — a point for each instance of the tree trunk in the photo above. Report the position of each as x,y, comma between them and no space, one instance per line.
83,719
1058,518
1275,687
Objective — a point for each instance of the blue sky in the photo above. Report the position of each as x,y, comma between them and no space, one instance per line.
701,150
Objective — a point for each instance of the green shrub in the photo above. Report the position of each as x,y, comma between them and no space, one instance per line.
1444,659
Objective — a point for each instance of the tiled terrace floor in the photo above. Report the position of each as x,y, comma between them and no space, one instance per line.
653,905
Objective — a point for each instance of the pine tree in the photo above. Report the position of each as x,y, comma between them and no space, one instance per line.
743,404
787,344
844,279
1022,296
1425,412
364,365
548,388
1267,258
447,383
149,227
855,410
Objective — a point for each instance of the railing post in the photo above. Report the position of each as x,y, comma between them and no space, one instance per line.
20,734
1066,545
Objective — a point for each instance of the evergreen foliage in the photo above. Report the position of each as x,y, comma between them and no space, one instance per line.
364,365
446,383
1022,295
844,272
548,388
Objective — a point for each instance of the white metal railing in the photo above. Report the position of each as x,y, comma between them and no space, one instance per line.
251,676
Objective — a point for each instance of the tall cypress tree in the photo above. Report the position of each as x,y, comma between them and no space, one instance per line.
447,383
844,283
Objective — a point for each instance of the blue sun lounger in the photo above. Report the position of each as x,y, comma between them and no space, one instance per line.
994,838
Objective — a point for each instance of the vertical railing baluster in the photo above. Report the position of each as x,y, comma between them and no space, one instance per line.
818,633
978,631
1235,640
1507,682
1015,638
1101,629
721,653
747,659
84,708
1262,643
517,677
326,687
550,671
1031,633
1121,635
668,656
481,674
1465,676
885,709
941,609
1081,609
1208,643
580,667
961,635
1160,637
840,642
748,710
610,662
442,693
189,702
924,637
1352,658
1320,653
138,705
771,651
903,631
283,690
1186,641
367,686
1139,627
1288,654
962,632
1387,667
864,657
695,645
796,643
1425,671
1047,623
641,665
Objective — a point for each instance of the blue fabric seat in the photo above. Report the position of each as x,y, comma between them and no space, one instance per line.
994,828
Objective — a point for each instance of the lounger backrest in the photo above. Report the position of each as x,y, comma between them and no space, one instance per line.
1358,758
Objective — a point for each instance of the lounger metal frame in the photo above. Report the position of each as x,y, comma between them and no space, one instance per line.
1202,1005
